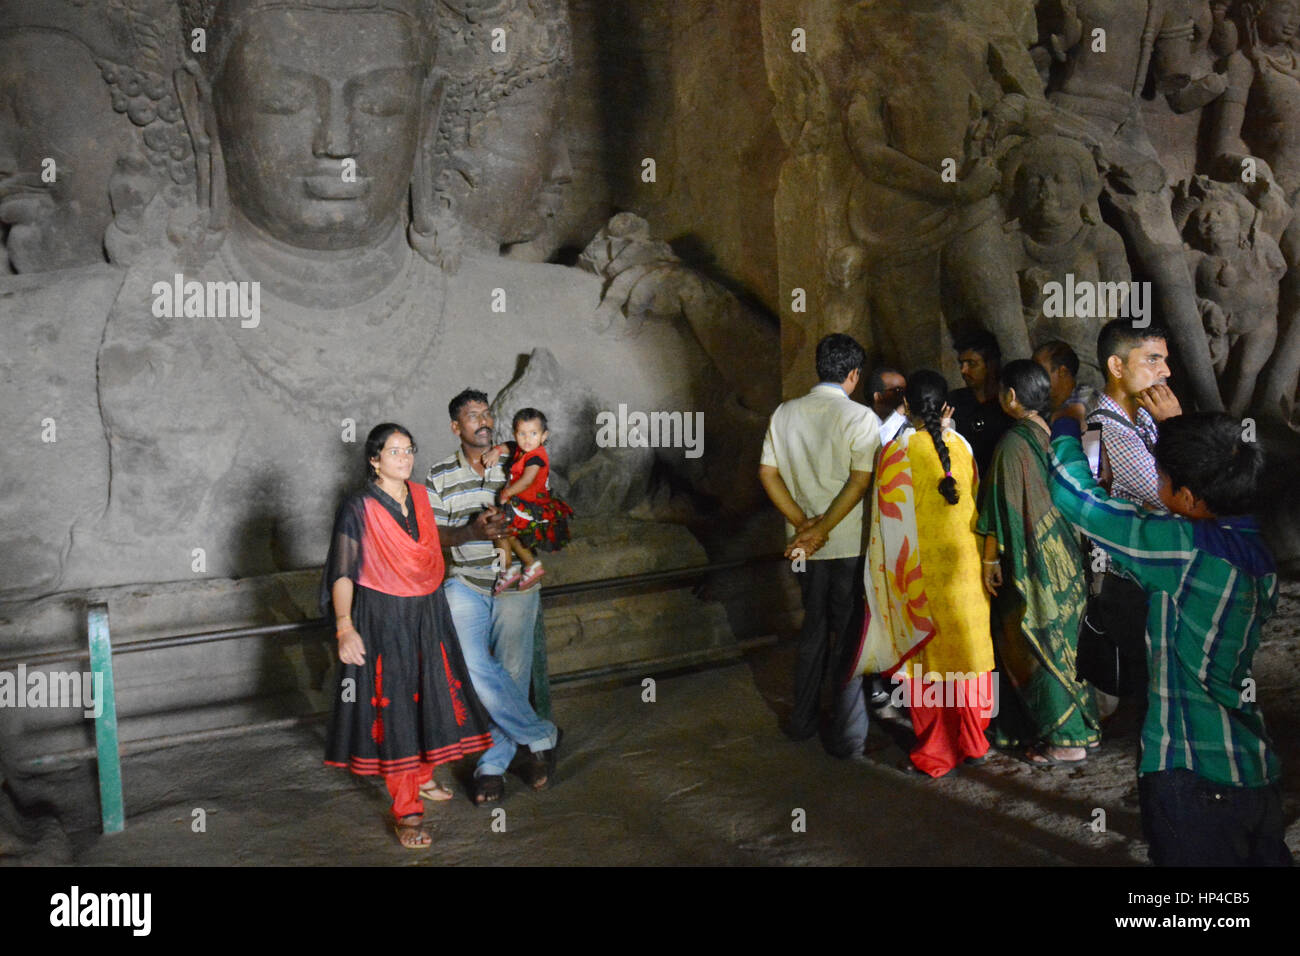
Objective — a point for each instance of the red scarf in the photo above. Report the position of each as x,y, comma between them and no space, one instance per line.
393,562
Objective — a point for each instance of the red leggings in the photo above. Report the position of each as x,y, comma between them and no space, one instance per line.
404,788
953,730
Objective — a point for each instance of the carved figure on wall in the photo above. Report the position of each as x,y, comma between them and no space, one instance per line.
1097,91
925,208
1237,267
1258,124
1052,185
228,430
90,131
501,159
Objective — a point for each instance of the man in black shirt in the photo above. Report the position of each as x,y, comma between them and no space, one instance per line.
977,415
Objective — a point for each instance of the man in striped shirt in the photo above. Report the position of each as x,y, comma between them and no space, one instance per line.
496,634
1208,779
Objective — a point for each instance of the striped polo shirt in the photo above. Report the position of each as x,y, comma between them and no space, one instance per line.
458,493
1212,584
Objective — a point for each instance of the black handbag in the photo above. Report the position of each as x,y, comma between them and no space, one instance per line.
1112,652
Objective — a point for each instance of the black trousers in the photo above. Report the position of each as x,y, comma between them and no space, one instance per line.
1191,821
832,605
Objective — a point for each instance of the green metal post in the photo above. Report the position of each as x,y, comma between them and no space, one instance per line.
110,761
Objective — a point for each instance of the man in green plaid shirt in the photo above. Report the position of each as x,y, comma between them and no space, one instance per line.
1209,779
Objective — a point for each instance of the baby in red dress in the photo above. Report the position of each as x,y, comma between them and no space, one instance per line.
541,521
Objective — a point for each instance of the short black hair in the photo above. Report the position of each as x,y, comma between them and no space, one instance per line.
876,382
463,399
528,415
985,343
1119,337
376,440
1059,355
838,355
1206,453
1032,384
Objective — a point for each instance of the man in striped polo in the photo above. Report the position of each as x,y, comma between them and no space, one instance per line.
496,634
1209,781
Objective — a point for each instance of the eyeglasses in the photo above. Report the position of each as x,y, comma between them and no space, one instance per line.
891,391
408,452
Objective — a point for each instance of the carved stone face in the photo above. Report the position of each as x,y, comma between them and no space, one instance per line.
1218,225
319,114
1048,191
522,160
64,116
1278,21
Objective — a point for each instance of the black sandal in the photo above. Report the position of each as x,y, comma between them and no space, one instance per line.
489,788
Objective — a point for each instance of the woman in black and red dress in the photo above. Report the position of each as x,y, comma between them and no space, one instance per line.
405,702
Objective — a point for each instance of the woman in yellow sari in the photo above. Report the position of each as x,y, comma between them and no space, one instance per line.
927,622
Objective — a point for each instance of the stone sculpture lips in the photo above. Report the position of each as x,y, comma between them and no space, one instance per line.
335,187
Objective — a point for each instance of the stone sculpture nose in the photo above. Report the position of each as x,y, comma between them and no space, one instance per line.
334,133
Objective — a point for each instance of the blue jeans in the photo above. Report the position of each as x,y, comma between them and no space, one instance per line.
514,619
479,625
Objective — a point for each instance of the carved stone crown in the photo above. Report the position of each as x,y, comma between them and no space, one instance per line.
538,45
221,20
135,46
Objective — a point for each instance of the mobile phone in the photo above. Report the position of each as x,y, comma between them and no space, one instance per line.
1092,447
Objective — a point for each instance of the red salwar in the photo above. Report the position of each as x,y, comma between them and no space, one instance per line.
404,787
949,719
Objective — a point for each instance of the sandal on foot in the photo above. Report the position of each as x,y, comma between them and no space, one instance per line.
1047,760
435,791
489,788
411,834
531,576
539,771
508,577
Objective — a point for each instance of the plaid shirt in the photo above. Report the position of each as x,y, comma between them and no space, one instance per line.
1212,584
458,493
1132,466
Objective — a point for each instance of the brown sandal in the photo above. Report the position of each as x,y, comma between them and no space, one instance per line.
410,834
435,792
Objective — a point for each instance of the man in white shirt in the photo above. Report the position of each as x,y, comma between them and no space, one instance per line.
816,466
886,386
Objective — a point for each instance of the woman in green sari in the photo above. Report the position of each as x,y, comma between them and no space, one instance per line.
1033,570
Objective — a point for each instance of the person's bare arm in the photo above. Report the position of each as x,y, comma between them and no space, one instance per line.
526,479
992,566
813,538
770,478
351,648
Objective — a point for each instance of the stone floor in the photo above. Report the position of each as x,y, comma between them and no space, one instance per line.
700,775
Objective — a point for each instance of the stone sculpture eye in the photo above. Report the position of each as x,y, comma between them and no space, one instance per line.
290,97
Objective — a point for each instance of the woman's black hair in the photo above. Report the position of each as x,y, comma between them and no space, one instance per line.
376,440
1032,384
927,392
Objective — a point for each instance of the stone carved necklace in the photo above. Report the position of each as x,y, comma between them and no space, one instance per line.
356,358
1054,253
